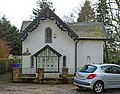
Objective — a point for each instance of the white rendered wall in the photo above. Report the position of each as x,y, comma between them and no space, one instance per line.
92,49
62,44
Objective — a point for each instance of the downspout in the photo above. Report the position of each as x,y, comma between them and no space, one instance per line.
76,42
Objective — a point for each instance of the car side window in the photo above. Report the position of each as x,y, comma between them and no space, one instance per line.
107,69
116,69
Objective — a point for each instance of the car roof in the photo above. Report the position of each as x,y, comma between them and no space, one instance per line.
103,64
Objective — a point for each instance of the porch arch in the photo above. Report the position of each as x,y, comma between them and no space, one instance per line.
48,58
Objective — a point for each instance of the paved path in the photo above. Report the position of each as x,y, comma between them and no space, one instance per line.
26,88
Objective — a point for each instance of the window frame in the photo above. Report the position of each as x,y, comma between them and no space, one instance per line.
106,69
32,61
48,35
116,69
112,70
64,61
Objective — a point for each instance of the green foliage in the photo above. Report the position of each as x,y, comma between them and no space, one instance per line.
7,62
114,57
41,5
86,14
10,34
104,15
102,11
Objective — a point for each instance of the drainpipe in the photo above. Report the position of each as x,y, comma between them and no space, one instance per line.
76,42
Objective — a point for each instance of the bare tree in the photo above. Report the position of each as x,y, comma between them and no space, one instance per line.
4,49
69,18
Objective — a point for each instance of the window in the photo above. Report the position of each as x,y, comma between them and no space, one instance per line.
116,69
48,35
32,62
64,61
111,69
107,69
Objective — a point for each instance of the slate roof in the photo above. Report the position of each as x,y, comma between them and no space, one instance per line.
24,25
89,30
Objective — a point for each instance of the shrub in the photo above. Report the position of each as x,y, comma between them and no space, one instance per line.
7,62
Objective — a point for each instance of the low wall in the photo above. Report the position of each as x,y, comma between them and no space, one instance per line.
39,77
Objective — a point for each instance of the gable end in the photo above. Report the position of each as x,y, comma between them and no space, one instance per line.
47,13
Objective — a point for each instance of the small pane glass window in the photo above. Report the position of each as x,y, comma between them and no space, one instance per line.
48,35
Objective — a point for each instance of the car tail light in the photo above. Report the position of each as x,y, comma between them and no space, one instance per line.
91,76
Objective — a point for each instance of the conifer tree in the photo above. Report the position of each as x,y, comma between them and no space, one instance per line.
104,17
86,14
10,34
41,5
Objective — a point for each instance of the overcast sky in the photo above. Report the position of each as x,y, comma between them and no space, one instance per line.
17,11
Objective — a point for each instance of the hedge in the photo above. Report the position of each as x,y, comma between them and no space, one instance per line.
7,62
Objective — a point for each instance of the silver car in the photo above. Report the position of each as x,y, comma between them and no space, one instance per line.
98,77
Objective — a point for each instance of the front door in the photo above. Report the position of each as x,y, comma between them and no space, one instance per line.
49,61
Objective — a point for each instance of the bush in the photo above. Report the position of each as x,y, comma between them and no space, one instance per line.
8,62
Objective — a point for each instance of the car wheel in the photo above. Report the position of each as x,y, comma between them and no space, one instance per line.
98,87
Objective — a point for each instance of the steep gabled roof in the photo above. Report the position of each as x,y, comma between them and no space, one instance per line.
47,13
25,24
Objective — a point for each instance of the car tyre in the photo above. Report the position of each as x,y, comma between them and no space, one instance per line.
98,87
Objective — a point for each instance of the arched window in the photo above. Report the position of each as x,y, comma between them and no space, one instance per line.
48,35
64,61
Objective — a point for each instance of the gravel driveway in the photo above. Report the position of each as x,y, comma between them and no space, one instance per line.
27,88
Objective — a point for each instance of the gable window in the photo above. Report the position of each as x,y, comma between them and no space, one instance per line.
48,35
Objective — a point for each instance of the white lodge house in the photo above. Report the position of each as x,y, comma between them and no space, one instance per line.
49,43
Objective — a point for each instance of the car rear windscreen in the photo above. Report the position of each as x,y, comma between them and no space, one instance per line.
88,68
